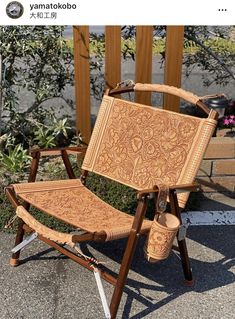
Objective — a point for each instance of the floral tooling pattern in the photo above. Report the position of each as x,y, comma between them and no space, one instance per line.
158,243
81,208
142,146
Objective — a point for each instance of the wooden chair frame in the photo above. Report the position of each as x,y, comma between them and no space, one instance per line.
142,198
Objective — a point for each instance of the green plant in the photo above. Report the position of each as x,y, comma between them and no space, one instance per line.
60,127
44,138
213,52
209,48
35,58
54,133
10,141
6,210
17,159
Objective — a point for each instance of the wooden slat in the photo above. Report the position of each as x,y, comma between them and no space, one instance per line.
112,56
173,64
82,80
143,69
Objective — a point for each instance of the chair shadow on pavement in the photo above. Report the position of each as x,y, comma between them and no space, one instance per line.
42,255
212,271
168,275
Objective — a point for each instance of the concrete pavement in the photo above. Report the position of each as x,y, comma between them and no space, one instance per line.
49,286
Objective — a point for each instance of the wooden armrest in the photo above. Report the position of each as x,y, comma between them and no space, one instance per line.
58,151
184,188
177,188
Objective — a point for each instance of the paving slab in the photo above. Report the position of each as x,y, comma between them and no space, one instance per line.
216,201
47,285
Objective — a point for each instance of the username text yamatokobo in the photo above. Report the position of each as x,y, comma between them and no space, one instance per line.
54,6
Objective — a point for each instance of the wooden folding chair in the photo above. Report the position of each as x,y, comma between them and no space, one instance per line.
136,145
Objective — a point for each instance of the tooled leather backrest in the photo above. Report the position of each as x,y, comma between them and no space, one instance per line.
142,146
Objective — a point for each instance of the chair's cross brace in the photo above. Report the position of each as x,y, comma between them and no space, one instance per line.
81,261
25,242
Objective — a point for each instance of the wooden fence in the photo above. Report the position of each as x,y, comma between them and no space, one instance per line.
143,67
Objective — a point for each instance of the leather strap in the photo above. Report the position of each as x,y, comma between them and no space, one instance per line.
161,199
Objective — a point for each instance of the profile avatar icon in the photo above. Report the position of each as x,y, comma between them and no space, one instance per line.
14,9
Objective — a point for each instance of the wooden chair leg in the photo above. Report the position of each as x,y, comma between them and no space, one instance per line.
127,258
124,269
14,261
181,243
34,166
15,258
185,262
67,165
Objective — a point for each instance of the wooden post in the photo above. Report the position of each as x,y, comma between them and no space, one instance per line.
173,64
82,80
112,56
143,68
